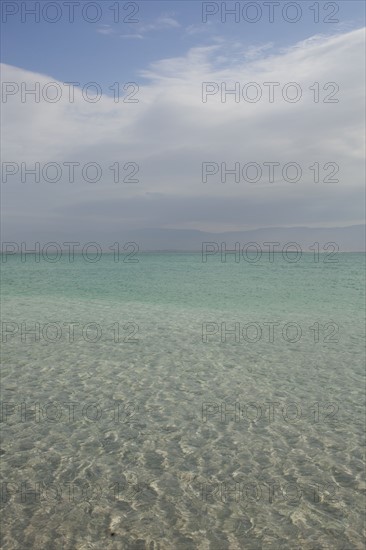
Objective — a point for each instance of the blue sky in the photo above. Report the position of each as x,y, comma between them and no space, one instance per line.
105,51
170,132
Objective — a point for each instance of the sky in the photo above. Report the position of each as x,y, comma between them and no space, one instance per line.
155,143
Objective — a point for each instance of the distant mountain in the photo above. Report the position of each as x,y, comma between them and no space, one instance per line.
349,239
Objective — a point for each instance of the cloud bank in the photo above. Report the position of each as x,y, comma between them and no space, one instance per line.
170,132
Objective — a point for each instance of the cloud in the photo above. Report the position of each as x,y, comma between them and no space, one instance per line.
132,36
163,22
254,52
200,28
105,29
170,132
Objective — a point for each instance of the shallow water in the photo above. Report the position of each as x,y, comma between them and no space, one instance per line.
146,426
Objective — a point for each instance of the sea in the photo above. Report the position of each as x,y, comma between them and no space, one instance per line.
170,401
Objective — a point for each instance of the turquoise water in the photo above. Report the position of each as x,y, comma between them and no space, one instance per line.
145,425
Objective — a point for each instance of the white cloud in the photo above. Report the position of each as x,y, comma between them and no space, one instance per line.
162,22
132,36
105,29
255,52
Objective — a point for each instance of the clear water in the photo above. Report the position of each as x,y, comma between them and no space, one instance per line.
146,427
